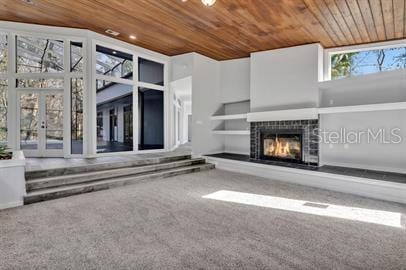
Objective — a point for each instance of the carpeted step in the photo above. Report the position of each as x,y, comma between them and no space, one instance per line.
65,191
142,161
83,177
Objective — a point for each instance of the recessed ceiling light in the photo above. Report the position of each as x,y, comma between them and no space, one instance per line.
114,52
111,32
208,2
133,37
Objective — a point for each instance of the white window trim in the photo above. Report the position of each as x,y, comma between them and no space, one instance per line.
87,38
136,84
66,75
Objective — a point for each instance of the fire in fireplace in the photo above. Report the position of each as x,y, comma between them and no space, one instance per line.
284,145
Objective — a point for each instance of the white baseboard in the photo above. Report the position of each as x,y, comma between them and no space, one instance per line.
382,190
11,205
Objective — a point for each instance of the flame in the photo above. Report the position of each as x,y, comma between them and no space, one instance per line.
277,148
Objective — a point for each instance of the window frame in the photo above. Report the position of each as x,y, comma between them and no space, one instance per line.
328,53
11,75
39,36
87,38
135,84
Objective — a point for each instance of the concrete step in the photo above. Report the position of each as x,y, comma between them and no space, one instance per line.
142,161
65,191
83,177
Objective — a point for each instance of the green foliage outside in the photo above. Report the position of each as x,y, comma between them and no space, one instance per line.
341,65
4,152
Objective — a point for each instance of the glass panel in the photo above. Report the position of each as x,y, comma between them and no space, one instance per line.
54,121
77,116
113,63
36,55
151,119
114,118
3,53
3,112
29,117
76,57
39,83
366,62
150,72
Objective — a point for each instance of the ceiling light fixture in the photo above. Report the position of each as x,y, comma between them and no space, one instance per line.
208,2
114,52
133,37
112,32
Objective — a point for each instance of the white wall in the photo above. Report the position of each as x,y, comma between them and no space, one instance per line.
285,78
204,74
235,80
186,110
181,66
385,87
374,155
206,98
12,181
235,87
237,144
289,78
181,71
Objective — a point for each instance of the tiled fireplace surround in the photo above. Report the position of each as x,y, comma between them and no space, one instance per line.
310,144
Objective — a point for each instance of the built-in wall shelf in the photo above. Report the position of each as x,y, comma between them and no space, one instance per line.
382,79
231,132
364,108
229,117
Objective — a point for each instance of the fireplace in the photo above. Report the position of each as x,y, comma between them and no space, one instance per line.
293,142
281,145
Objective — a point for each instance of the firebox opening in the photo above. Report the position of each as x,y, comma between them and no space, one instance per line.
281,145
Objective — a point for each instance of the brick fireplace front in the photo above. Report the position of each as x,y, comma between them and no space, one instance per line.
293,141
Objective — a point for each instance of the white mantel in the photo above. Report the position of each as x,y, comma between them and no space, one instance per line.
283,115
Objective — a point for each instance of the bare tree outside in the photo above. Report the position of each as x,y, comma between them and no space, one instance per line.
366,62
37,55
3,89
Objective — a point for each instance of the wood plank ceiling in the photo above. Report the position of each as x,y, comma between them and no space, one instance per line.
229,29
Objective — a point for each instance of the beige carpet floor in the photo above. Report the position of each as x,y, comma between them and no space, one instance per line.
167,224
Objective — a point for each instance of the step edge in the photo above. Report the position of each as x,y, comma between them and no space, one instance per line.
59,177
158,161
106,186
94,183
31,186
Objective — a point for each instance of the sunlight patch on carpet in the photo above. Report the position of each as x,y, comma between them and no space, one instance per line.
380,217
